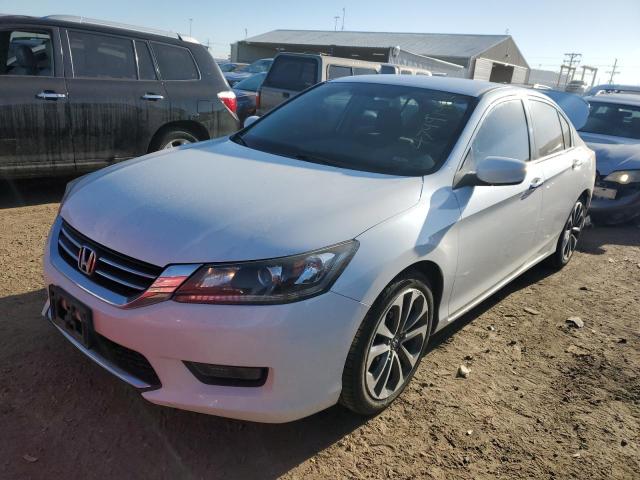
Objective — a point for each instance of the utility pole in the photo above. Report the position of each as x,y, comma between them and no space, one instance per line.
245,33
343,14
335,23
570,59
190,25
613,71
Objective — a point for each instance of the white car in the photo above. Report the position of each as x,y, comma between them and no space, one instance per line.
307,259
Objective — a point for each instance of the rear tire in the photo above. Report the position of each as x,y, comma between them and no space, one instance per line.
389,345
568,241
172,139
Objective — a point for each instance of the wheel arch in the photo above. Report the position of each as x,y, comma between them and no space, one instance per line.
191,126
434,274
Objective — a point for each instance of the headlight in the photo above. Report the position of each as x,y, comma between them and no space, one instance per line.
624,177
280,280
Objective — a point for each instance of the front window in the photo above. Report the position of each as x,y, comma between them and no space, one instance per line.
391,129
613,119
26,53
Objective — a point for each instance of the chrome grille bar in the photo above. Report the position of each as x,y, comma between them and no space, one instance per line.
119,266
115,279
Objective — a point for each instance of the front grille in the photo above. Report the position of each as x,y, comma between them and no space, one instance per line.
130,361
114,271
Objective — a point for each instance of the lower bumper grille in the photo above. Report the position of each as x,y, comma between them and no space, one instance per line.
130,361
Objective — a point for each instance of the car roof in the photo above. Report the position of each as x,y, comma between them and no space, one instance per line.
72,21
462,86
620,98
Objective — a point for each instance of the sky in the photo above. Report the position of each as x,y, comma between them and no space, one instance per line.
544,30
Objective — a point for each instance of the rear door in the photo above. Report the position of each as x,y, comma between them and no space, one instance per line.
289,75
498,224
105,99
561,163
35,132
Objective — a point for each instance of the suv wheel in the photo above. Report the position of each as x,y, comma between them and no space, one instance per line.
389,345
173,138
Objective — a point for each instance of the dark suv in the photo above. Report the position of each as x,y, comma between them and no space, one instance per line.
78,94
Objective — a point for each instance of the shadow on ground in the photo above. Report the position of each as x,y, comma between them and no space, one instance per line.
59,407
595,237
22,193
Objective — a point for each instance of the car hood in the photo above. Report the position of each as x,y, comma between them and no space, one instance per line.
613,157
220,201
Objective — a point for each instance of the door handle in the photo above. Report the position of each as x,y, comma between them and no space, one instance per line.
535,183
49,95
152,96
576,163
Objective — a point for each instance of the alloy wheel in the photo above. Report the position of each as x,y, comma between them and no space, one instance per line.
397,344
572,231
176,143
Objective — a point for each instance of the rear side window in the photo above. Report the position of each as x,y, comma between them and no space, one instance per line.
102,56
503,133
566,132
364,71
292,73
146,70
337,71
26,53
176,63
546,128
406,72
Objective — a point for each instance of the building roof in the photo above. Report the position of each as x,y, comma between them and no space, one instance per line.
439,44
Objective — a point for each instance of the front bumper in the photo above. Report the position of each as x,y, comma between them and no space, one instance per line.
619,210
304,345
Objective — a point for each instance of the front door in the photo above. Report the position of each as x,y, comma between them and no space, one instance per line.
498,224
34,123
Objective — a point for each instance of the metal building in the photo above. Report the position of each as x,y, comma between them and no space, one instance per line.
484,57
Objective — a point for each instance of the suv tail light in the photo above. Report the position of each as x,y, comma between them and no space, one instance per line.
229,99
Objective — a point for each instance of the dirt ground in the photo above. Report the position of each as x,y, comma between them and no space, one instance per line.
543,400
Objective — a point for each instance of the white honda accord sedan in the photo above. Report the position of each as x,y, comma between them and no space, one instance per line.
307,259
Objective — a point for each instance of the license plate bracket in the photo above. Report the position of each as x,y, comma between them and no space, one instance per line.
71,315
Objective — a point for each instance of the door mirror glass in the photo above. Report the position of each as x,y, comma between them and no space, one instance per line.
249,120
500,171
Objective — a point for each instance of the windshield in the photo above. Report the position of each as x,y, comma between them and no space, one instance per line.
259,66
613,119
392,129
252,83
228,67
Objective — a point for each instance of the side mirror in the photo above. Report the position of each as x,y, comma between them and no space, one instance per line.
500,171
249,120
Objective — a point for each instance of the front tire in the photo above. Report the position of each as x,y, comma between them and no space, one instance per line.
389,345
568,241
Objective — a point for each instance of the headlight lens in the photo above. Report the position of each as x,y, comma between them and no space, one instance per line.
280,280
624,177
